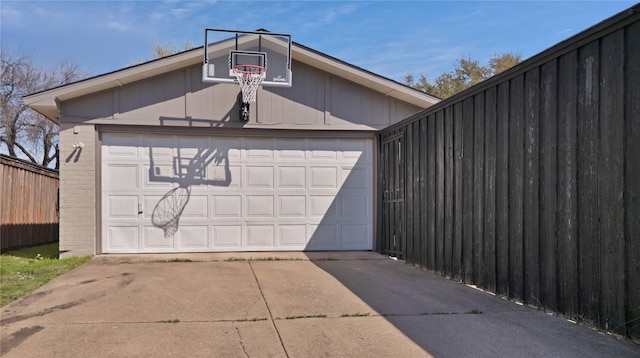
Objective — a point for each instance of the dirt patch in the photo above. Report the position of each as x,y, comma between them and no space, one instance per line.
15,339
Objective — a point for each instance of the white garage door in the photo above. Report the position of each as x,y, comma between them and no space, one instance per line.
190,193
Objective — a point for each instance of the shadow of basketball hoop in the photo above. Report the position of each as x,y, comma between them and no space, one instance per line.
188,171
168,210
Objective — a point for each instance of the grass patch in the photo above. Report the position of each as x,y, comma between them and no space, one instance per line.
307,316
171,321
356,315
252,320
474,311
24,270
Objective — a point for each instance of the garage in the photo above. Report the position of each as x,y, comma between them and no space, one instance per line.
160,158
188,193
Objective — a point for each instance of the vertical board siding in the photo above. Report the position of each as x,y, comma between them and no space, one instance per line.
611,180
478,189
528,185
502,189
632,173
588,143
548,185
531,186
28,204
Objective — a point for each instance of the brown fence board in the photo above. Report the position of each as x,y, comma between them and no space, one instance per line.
28,199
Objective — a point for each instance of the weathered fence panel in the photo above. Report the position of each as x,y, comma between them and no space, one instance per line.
528,184
28,204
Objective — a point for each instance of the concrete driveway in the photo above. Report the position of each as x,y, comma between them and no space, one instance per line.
280,305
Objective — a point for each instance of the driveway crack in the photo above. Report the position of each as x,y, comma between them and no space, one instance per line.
269,310
244,349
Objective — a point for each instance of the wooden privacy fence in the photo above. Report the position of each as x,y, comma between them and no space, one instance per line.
28,204
528,184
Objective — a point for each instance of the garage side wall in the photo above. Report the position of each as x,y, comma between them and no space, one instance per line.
77,190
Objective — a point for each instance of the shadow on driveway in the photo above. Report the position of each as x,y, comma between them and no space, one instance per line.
449,319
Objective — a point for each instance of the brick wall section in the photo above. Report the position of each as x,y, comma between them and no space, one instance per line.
77,191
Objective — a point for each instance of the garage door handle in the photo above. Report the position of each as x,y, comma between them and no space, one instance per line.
139,209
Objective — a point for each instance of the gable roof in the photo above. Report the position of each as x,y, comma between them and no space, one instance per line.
45,102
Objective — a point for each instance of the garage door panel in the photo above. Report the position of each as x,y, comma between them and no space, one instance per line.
259,149
354,235
292,235
323,236
227,236
292,177
193,237
323,177
196,208
323,149
120,146
354,150
260,206
154,238
355,178
322,206
292,149
122,207
122,176
122,238
227,206
159,176
158,148
222,176
292,206
354,207
260,176
244,193
260,236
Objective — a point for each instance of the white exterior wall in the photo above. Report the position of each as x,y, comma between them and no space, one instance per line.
77,190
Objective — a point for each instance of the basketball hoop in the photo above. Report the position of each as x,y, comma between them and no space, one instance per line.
249,77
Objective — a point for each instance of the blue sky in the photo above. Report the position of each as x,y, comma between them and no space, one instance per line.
391,38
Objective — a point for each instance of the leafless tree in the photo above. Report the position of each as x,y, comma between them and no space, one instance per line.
23,131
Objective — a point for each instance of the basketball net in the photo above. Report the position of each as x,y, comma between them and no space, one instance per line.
249,77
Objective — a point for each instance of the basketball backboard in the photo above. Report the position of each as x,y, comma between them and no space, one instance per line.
225,49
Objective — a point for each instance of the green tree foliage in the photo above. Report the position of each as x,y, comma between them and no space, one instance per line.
467,73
